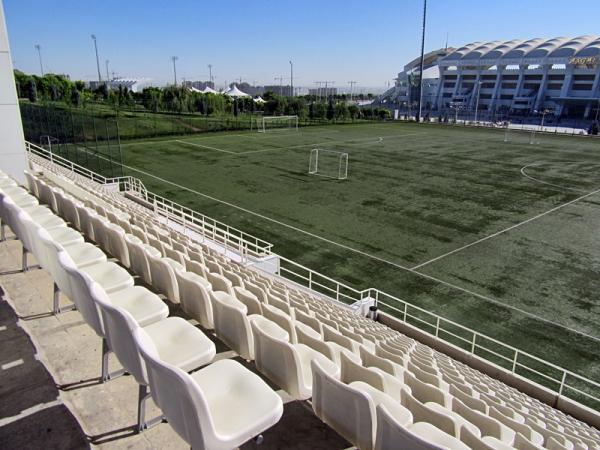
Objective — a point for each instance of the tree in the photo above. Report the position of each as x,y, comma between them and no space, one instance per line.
75,97
354,111
235,108
311,111
32,91
330,110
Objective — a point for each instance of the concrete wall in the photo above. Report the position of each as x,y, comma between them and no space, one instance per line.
12,141
518,382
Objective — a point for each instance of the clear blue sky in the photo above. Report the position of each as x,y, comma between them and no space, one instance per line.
364,40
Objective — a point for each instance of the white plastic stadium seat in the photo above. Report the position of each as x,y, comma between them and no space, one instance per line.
232,325
218,408
194,295
176,341
287,365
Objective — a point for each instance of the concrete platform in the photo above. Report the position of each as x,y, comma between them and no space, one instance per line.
51,395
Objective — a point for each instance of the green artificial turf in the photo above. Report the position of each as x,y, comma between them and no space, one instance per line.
413,193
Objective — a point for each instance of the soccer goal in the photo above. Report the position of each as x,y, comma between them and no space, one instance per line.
521,136
277,123
328,163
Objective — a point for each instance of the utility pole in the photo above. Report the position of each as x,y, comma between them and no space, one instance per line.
210,78
107,76
420,96
174,59
97,59
351,83
39,49
292,77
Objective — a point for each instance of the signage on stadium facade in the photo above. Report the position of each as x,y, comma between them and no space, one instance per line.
584,61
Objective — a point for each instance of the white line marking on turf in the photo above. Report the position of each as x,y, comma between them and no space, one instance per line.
206,146
377,258
545,182
531,219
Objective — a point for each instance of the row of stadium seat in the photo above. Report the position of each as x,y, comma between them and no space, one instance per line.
251,312
156,349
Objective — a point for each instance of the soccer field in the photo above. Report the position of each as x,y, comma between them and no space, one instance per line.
498,236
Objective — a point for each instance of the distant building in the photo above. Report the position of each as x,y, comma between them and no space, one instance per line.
285,90
200,85
134,85
323,91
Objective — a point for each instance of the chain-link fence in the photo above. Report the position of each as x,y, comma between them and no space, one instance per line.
82,138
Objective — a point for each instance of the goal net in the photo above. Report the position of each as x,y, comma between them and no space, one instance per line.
274,123
328,163
517,136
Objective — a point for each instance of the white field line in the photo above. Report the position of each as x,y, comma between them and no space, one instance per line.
205,146
29,411
545,182
497,233
377,258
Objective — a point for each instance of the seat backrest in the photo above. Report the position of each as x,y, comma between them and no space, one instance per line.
308,320
391,435
69,211
119,326
422,413
85,214
342,407
220,283
231,323
81,284
314,343
48,251
31,185
163,277
424,392
274,356
330,334
256,290
522,443
281,319
248,299
471,402
117,246
175,255
178,396
488,425
352,371
194,295
99,224
196,267
370,360
138,259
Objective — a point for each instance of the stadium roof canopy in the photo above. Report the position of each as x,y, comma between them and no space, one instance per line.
208,90
518,49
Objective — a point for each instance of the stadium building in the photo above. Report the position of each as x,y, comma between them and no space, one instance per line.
521,77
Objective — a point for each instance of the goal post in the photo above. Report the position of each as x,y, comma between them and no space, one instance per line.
328,163
274,123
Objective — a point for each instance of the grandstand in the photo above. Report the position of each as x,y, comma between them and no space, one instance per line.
120,306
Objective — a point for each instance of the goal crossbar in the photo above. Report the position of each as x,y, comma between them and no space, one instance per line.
335,166
284,122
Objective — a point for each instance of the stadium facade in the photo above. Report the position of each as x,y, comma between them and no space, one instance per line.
523,77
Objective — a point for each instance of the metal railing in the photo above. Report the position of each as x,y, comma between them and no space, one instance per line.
558,379
246,245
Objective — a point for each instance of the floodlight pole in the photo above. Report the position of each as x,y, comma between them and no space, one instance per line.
107,76
97,59
292,77
419,109
210,78
477,103
39,49
174,59
351,83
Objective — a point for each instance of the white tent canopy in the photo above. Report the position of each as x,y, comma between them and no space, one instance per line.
259,99
235,92
208,90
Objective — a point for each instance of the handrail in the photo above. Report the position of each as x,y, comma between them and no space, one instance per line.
246,244
476,343
231,238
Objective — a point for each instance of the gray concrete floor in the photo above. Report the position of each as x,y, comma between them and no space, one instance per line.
51,395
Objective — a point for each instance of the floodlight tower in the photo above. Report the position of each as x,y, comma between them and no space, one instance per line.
107,72
38,47
97,59
351,83
420,92
292,77
210,77
174,59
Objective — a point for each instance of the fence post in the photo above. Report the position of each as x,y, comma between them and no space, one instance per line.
405,311
473,343
310,279
514,367
437,326
562,382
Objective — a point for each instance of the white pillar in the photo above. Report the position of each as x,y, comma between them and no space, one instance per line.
12,142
